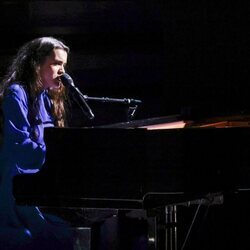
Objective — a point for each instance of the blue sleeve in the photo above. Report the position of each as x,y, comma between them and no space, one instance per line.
28,153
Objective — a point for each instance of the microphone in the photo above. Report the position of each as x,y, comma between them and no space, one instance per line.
79,97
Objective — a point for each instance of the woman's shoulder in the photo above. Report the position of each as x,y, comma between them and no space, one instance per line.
17,90
16,93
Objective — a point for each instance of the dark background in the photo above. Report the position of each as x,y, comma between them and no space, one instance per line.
178,57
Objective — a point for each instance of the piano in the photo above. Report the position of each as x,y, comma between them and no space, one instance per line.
143,164
126,164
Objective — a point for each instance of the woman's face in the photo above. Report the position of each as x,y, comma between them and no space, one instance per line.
53,68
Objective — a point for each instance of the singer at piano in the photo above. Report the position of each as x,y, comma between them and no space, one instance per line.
32,98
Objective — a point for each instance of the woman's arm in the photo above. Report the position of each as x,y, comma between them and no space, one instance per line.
28,153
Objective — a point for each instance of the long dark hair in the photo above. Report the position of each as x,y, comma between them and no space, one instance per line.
25,70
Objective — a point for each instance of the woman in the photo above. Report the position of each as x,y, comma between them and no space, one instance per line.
32,97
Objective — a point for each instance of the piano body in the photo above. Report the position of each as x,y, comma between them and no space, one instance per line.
144,164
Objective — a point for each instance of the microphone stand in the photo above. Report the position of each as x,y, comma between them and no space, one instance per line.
133,103
81,102
107,99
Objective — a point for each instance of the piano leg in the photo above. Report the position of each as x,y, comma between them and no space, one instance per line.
162,228
171,227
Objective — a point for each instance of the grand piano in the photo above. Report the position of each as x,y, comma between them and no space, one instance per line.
141,165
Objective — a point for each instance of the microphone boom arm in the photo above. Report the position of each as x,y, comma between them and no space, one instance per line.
107,99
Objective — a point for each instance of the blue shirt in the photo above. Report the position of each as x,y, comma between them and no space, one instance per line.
21,151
